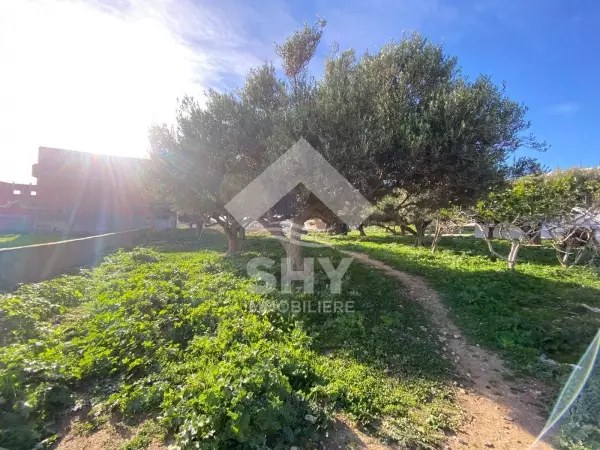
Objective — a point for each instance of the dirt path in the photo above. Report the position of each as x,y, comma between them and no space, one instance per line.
499,414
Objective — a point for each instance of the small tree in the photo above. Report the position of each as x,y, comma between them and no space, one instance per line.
520,167
575,225
388,214
520,211
194,167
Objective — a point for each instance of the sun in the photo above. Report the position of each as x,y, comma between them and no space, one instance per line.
80,77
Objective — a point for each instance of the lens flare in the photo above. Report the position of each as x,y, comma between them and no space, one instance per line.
573,387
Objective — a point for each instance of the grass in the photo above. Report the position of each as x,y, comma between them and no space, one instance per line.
175,334
533,311
22,240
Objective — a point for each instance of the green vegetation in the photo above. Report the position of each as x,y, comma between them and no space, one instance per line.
400,120
526,314
537,310
22,240
174,334
565,202
580,429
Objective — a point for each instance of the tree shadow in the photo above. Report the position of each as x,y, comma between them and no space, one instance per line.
184,240
463,245
544,255
523,313
23,240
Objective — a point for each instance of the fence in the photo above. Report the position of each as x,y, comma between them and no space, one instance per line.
40,262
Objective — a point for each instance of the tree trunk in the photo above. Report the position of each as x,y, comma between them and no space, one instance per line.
512,256
293,253
421,225
437,236
199,229
231,232
242,233
361,230
420,238
490,231
293,246
233,244
403,230
565,259
536,239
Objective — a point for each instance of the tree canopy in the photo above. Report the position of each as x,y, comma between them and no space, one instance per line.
403,119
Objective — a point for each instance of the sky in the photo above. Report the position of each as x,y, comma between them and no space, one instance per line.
93,75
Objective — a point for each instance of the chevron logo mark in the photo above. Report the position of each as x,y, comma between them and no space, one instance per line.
301,164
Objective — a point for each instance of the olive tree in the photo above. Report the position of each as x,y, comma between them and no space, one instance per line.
402,119
520,211
196,167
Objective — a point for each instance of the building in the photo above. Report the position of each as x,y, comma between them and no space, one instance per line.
17,207
25,194
84,193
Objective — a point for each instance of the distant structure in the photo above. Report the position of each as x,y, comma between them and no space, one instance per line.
17,207
85,193
80,193
14,192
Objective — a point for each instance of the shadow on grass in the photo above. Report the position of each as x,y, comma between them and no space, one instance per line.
384,330
23,240
532,310
468,245
185,240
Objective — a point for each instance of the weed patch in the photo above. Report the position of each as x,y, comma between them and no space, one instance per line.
169,334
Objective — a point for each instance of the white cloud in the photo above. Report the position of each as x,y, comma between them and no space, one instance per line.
563,109
82,76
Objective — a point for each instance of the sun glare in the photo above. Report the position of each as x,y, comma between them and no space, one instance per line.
79,77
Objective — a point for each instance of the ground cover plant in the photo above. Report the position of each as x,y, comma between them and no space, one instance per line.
173,334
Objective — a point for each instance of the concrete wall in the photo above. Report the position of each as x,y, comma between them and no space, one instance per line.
40,262
16,223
